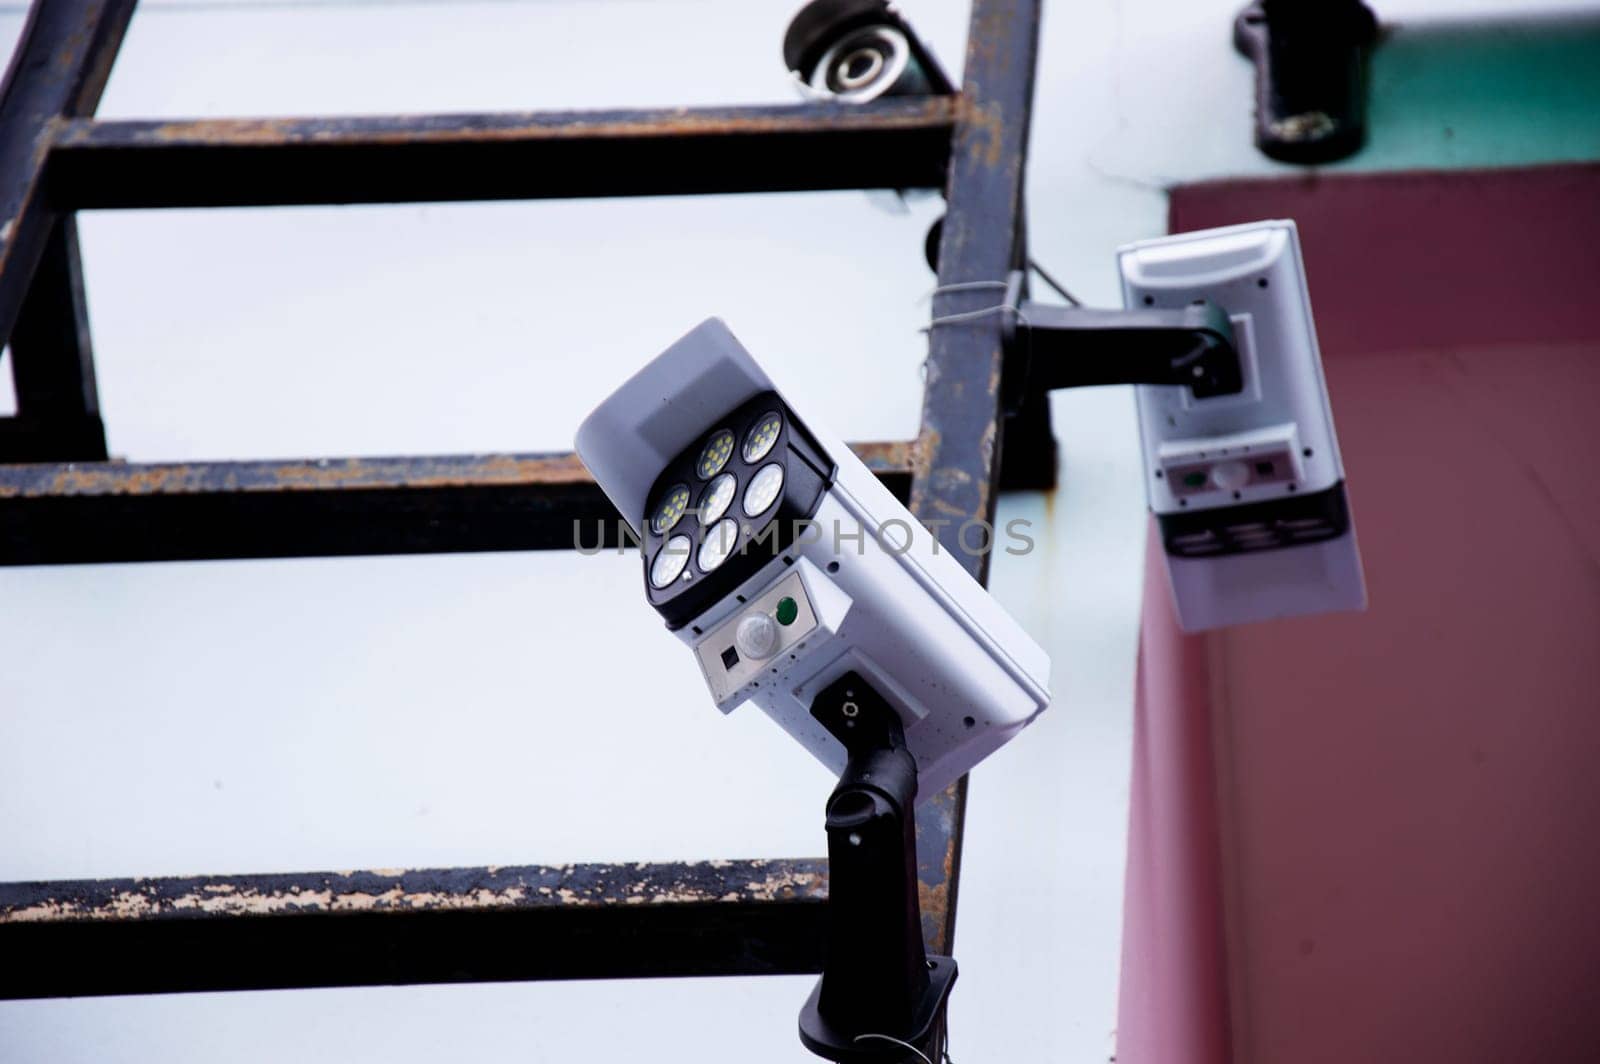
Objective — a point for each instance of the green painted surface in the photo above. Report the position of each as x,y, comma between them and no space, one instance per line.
1484,93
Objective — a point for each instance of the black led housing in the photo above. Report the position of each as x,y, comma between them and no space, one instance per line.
807,474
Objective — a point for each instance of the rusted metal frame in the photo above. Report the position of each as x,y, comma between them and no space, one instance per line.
118,512
257,162
52,363
956,472
954,475
58,71
258,932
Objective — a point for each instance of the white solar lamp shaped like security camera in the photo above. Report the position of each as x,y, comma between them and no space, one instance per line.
802,585
1247,488
784,564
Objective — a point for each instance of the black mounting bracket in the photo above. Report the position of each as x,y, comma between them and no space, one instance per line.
1311,74
880,991
821,23
1049,346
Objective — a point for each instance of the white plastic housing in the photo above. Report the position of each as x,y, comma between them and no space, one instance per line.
876,593
1281,419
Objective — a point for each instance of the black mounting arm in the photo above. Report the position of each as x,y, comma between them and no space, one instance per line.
880,992
1074,347
1049,346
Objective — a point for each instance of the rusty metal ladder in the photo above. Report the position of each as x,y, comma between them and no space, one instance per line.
63,502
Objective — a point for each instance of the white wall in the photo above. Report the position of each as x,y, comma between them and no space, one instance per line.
297,715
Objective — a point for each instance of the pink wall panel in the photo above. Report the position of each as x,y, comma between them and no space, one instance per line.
1412,795
1174,990
1409,798
1403,261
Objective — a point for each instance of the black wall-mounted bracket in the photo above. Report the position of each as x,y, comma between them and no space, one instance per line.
1049,346
1311,75
820,24
880,991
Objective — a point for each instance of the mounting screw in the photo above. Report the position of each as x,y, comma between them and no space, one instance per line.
849,709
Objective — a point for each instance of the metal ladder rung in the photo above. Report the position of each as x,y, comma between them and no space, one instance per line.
84,512
75,938
902,143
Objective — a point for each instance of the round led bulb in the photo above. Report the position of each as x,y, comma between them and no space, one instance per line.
718,497
764,489
715,455
720,540
670,561
671,510
759,440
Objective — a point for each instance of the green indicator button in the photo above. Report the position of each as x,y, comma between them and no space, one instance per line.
1194,480
787,610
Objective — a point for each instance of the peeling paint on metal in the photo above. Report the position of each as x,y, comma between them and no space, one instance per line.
120,478
569,125
956,468
394,890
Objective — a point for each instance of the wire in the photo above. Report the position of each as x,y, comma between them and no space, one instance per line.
962,286
970,315
1032,264
967,286
896,1041
966,315
1053,283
